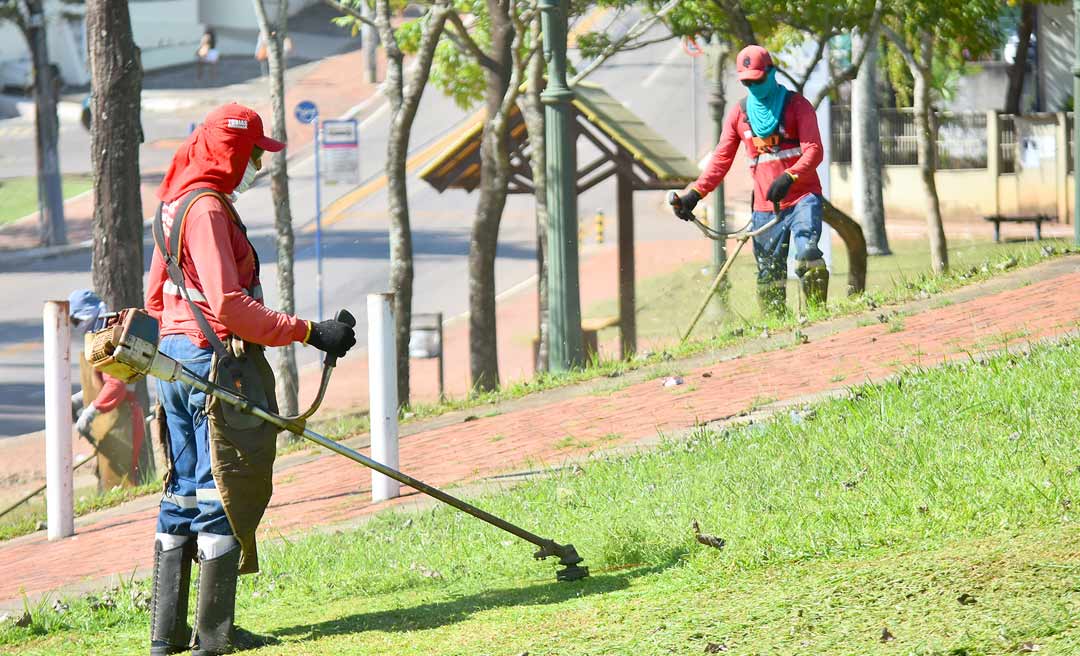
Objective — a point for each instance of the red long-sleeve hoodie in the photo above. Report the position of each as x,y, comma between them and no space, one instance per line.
216,257
799,153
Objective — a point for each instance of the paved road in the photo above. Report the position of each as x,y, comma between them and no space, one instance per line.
654,82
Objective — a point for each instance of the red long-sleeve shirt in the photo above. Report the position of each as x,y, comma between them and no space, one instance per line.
218,263
113,391
798,123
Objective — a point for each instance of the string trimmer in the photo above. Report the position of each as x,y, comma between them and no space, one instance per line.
742,234
128,349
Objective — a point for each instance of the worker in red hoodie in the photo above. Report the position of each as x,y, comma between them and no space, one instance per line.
780,131
204,290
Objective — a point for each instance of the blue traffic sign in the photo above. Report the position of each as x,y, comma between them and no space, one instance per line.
306,111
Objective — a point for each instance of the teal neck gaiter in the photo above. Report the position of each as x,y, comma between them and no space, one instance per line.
764,104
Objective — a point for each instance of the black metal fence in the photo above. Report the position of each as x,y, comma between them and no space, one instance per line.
961,138
1007,142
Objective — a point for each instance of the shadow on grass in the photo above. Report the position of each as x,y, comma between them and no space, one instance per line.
442,613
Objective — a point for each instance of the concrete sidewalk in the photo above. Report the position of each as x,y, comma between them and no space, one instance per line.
323,490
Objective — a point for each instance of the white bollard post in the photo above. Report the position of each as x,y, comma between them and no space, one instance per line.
59,492
382,386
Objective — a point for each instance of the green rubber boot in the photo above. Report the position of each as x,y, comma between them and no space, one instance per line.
815,285
773,297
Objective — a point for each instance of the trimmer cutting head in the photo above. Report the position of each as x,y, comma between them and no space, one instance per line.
568,557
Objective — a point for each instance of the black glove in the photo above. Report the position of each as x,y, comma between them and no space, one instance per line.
332,336
779,188
684,205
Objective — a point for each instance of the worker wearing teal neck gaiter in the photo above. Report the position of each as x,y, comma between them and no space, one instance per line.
765,104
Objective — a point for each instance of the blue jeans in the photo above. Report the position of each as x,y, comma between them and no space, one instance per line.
191,503
803,220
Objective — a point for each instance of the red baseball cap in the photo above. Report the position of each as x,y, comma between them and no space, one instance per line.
244,121
752,63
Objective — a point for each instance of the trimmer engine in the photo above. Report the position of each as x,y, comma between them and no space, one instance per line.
127,348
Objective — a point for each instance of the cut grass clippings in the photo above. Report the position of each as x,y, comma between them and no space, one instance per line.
19,196
930,515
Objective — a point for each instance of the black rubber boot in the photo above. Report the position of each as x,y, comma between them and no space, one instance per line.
215,604
815,285
169,630
215,609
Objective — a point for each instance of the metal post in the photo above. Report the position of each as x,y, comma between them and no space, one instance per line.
59,503
382,385
1076,138
624,193
318,224
564,313
717,103
442,350
693,109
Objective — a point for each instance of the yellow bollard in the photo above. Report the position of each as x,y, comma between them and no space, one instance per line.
599,226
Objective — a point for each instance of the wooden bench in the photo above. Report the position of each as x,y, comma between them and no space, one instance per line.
589,330
1037,219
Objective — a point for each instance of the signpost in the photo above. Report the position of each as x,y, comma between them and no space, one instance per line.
308,113
341,142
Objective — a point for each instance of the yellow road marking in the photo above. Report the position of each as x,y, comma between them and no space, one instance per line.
336,211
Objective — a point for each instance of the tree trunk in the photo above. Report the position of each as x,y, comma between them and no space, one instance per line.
494,176
274,36
116,87
404,101
852,234
926,144
52,230
401,252
369,38
1018,70
868,205
533,111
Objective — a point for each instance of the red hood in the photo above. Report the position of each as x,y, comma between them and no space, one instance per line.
215,155
206,159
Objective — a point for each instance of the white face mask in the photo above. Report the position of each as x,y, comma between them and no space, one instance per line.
247,180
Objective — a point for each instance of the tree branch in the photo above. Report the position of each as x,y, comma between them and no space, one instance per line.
461,38
636,30
352,13
852,71
823,41
394,85
783,71
901,47
739,22
646,43
425,54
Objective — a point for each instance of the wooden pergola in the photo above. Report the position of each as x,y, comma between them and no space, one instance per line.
629,150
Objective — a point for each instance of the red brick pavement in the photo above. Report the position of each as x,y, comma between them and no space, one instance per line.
332,489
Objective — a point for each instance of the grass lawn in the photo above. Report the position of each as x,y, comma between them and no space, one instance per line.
666,304
931,515
19,196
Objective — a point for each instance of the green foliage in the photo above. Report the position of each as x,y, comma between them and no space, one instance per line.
962,32
938,504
